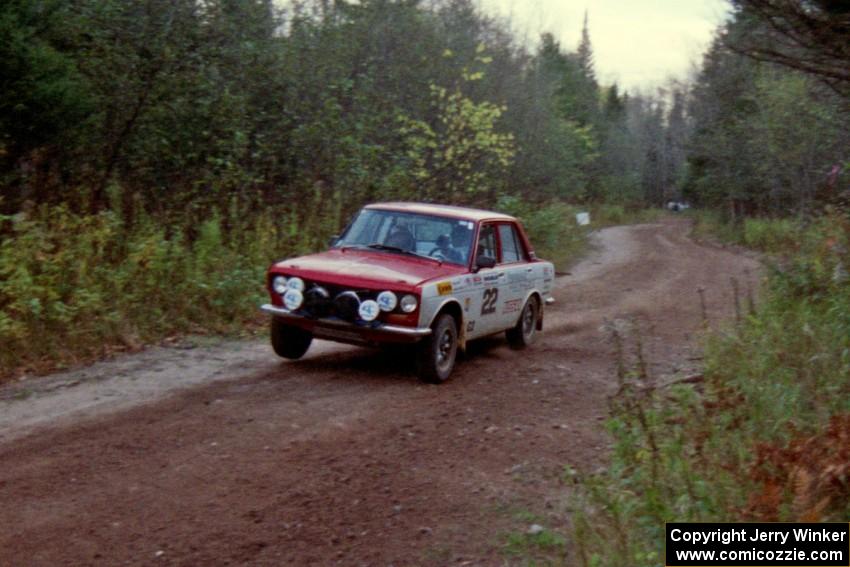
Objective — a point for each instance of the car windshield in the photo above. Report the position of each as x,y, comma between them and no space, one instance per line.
441,238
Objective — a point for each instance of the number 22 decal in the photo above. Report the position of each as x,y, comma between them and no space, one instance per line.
488,306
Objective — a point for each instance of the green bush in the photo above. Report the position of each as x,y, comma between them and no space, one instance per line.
760,441
613,214
609,214
74,286
771,235
712,224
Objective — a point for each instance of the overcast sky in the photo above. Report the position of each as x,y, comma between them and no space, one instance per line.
638,43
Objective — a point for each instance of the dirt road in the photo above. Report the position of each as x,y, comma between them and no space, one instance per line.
224,455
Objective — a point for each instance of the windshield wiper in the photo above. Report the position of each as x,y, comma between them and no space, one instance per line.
377,246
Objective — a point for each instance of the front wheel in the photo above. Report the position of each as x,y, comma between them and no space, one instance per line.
288,341
437,353
522,334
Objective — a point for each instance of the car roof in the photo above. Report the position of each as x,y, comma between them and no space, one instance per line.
442,210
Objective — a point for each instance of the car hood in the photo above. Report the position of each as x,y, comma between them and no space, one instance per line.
367,268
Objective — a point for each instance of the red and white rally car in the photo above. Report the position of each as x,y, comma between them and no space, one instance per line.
433,275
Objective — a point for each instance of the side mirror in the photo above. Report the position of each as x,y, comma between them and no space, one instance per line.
482,262
333,240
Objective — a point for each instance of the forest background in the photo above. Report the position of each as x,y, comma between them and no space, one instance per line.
157,155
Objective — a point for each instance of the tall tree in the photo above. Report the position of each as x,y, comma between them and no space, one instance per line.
583,85
584,54
620,155
810,36
44,101
765,137
676,133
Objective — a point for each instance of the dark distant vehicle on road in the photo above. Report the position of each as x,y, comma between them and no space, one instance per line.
435,276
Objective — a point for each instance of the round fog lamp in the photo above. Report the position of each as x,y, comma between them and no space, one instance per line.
387,300
369,310
295,283
317,301
346,306
409,303
293,299
279,284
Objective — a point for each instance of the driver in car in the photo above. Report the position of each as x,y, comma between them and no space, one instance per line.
443,247
458,250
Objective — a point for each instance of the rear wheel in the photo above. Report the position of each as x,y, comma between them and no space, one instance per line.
288,341
437,353
522,334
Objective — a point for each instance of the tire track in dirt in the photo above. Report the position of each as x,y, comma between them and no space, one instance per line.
343,457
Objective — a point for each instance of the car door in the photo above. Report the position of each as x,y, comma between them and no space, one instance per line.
518,276
483,313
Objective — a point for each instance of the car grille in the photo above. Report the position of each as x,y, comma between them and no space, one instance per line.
328,300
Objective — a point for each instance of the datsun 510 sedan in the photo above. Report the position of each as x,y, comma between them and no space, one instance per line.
431,275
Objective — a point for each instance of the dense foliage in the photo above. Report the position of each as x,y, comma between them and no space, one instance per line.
765,140
76,285
175,106
763,437
808,36
132,132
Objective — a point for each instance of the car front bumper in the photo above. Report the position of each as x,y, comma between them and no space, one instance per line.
345,332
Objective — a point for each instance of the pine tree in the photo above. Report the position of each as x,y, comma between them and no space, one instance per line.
584,54
675,139
584,87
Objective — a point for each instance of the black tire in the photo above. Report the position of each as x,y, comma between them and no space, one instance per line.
288,341
437,353
522,334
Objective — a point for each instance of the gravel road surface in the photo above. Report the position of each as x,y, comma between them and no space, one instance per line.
225,455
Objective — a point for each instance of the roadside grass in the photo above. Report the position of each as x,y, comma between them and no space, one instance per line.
546,547
603,215
781,236
75,287
711,225
527,516
764,437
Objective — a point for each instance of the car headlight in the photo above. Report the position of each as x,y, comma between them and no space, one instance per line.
317,301
347,305
409,303
369,310
387,300
295,283
293,299
279,285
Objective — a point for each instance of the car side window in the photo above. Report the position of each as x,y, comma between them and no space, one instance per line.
487,242
512,250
